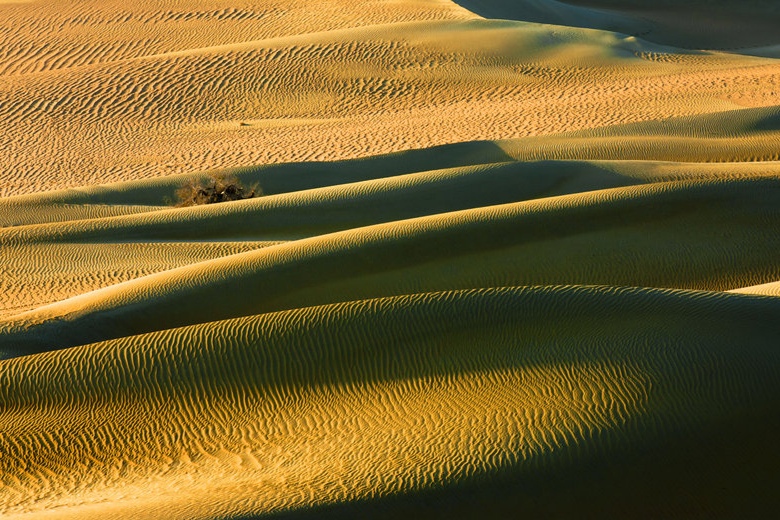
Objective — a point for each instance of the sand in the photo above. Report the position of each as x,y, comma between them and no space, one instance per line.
512,259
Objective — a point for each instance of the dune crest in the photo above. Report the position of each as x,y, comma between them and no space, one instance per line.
510,259
272,408
742,27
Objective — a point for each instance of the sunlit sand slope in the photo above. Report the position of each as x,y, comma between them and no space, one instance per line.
282,81
499,269
385,399
714,234
37,274
767,289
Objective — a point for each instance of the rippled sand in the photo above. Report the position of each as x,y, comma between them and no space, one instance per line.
515,266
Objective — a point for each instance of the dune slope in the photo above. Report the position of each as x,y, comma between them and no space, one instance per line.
396,396
745,27
326,87
516,266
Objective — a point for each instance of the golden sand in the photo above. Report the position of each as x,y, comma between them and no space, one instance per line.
512,261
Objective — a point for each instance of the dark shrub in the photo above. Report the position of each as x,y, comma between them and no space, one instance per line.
219,188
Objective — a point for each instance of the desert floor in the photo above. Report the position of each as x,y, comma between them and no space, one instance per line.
513,259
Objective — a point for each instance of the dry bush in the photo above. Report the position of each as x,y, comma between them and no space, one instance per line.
220,188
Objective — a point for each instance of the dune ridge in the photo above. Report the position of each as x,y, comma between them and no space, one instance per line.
410,84
271,387
700,24
523,265
494,245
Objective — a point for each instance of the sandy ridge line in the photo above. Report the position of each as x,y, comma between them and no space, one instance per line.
372,31
228,408
335,262
323,197
278,41
199,223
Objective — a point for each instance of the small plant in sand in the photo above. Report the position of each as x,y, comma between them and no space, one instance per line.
219,188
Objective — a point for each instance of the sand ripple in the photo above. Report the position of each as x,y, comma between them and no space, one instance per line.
499,269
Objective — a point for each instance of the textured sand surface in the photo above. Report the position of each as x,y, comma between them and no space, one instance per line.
513,259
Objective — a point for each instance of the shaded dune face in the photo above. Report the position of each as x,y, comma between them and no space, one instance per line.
445,389
521,265
729,25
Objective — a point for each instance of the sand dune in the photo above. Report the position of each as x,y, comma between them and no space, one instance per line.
516,266
338,92
767,289
267,412
687,234
743,27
